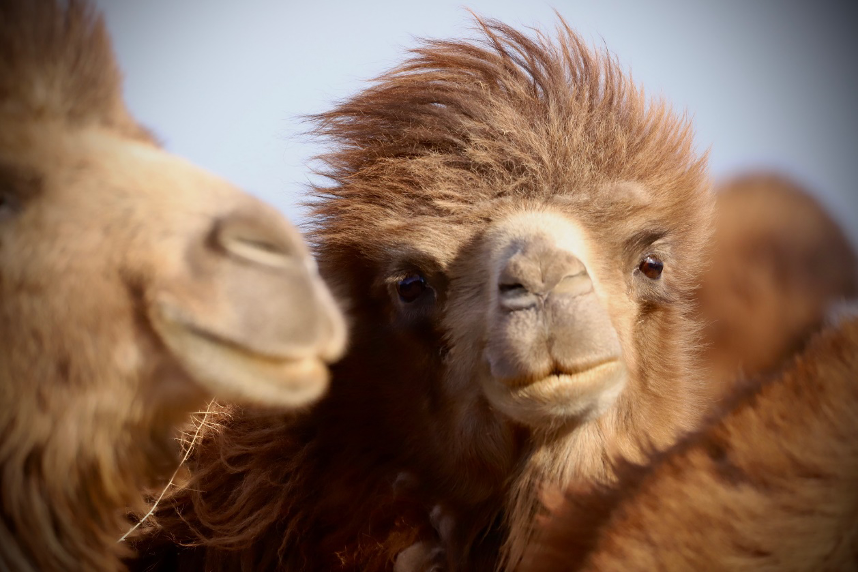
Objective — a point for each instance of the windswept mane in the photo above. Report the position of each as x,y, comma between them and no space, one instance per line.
58,64
505,115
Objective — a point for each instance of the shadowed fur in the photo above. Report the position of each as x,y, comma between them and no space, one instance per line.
770,485
133,288
482,194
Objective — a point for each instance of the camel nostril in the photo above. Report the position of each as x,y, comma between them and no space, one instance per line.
516,296
516,288
254,241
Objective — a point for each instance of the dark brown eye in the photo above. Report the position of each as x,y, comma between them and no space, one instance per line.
651,267
411,287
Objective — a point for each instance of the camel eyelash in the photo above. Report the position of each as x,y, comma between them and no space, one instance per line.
645,241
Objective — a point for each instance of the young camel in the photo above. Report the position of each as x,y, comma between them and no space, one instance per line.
782,263
771,485
716,501
520,234
133,288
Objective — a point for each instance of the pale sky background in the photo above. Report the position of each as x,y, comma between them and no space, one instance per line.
769,83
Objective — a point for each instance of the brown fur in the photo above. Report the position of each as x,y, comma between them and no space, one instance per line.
119,310
426,166
780,262
771,485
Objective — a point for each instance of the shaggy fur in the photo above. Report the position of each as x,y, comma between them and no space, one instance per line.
130,289
427,166
780,262
771,485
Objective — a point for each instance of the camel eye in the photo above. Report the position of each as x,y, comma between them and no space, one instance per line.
651,267
411,287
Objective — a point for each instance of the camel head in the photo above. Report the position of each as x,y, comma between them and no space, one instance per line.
133,286
117,256
519,233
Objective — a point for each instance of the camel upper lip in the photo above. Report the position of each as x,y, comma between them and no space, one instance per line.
582,368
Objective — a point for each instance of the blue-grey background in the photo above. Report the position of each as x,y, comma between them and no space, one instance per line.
769,83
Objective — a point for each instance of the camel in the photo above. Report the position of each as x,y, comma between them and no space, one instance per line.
519,233
780,265
770,485
134,287
783,265
780,262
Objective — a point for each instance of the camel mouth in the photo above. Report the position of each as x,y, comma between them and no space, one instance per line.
581,393
577,374
233,371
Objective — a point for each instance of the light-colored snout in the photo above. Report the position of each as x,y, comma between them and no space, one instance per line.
246,313
551,348
284,309
224,281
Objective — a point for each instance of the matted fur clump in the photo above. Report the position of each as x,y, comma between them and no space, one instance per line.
466,185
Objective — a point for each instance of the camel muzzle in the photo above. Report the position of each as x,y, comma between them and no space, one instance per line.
248,317
551,348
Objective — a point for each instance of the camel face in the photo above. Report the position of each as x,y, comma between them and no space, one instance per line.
551,351
527,307
129,251
235,295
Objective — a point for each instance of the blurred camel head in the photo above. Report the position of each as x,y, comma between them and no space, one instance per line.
134,287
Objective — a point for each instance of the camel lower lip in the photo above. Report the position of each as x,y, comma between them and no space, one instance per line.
579,375
231,371
557,397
